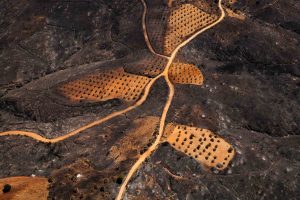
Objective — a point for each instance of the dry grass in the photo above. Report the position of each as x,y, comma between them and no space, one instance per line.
237,15
200,144
106,85
136,140
25,188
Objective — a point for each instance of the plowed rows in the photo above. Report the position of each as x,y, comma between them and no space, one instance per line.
183,73
103,86
201,144
182,22
156,26
150,66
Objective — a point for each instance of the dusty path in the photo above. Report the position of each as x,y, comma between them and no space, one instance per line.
154,146
97,122
145,32
108,117
164,74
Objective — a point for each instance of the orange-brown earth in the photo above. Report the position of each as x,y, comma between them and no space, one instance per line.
24,188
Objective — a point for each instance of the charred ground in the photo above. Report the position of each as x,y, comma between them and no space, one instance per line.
250,97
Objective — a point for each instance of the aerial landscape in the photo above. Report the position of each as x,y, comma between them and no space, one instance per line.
150,99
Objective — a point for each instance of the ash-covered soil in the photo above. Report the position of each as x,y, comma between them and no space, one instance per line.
250,97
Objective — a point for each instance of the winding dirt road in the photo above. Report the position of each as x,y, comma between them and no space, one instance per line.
145,32
40,138
97,122
164,74
157,141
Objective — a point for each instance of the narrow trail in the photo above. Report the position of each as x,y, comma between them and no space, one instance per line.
145,32
40,138
157,141
164,74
